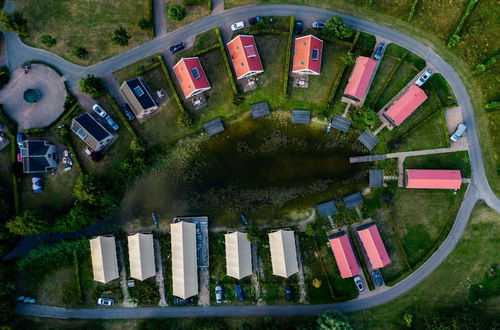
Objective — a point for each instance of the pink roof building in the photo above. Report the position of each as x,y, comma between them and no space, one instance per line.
374,246
344,255
404,107
433,179
361,78
191,76
244,56
307,55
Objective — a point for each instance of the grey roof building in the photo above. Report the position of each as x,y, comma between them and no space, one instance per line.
91,132
301,116
38,156
341,123
138,97
326,209
376,178
368,139
214,126
260,109
353,200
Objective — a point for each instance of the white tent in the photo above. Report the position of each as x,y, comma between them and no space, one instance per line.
238,255
141,256
283,253
104,262
184,262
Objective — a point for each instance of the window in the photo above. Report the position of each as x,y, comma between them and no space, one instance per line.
138,91
315,54
196,74
81,133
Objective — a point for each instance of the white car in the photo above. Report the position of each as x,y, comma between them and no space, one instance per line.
459,132
105,301
423,78
99,110
237,26
359,283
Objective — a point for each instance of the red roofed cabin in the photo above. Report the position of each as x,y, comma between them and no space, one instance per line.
405,105
191,76
433,179
245,56
307,55
344,254
361,79
373,245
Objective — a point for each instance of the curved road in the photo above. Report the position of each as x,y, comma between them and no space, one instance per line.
17,53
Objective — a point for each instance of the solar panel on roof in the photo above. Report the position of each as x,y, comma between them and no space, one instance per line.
353,200
250,51
341,123
214,126
326,209
138,91
376,178
196,74
368,139
301,116
315,54
260,109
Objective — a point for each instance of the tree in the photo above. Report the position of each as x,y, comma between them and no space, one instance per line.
407,319
14,23
91,85
30,222
238,99
47,40
348,58
176,12
81,52
335,29
333,320
310,230
369,117
144,24
120,36
89,190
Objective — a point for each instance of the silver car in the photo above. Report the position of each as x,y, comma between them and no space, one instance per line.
423,78
99,110
218,294
459,132
359,283
105,301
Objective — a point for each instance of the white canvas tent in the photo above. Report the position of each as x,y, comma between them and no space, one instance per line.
283,253
238,255
141,256
184,262
104,262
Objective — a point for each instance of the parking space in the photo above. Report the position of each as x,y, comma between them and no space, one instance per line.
453,118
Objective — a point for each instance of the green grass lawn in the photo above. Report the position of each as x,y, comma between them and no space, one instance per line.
193,13
135,69
453,160
85,23
202,41
435,293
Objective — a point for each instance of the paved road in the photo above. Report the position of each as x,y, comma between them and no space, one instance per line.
478,189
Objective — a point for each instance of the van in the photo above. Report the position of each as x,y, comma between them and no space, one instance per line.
458,133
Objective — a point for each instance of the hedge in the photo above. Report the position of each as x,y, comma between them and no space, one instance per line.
206,50
389,78
483,66
288,55
170,84
226,61
209,6
413,10
121,116
268,31
455,36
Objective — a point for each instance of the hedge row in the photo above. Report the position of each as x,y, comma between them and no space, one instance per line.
206,50
226,61
268,31
209,6
389,78
170,84
142,69
455,36
122,117
288,55
413,10
483,66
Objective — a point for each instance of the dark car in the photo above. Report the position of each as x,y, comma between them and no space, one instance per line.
20,137
128,112
255,20
180,301
175,48
297,29
380,51
239,292
377,277
244,219
288,293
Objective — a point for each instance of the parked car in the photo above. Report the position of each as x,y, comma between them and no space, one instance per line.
36,184
112,123
359,283
105,301
239,292
380,51
244,219
288,293
255,20
297,28
218,294
26,300
377,277
423,78
99,110
180,301
175,48
318,25
459,132
20,137
128,112
237,26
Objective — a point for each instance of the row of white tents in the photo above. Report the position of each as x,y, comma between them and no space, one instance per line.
184,259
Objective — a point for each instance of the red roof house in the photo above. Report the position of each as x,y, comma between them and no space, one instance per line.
245,56
307,55
406,104
361,78
374,246
433,179
191,76
344,255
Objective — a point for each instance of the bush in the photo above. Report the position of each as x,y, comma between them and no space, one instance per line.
91,85
47,40
348,58
15,23
81,52
4,76
479,68
144,24
176,12
185,119
238,99
335,29
492,105
89,190
120,36
30,222
454,39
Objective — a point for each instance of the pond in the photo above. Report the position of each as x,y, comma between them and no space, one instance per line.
271,170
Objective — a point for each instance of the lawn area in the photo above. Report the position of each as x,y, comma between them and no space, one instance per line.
453,160
435,294
135,69
194,12
386,66
438,17
85,23
202,41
